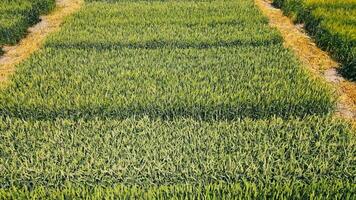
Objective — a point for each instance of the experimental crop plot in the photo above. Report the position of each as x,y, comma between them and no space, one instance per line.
113,64
170,99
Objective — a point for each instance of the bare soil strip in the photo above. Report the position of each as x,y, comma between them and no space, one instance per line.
15,54
316,60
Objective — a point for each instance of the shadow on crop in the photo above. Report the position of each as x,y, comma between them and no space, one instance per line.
162,44
202,113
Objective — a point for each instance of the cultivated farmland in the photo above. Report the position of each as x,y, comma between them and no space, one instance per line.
333,25
118,65
171,99
17,15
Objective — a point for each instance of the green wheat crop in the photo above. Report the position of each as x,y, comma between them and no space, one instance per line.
170,100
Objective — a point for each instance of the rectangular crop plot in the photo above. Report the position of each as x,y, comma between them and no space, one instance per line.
150,152
174,24
211,60
170,100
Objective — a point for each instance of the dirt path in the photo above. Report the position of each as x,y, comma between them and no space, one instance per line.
317,61
15,54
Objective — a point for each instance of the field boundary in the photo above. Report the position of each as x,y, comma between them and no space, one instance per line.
316,60
36,35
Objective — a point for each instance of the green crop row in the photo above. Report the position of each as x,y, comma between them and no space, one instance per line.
173,24
148,151
164,60
333,25
213,83
244,190
17,15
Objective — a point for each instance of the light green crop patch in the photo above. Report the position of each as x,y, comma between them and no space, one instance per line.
177,24
201,60
157,152
213,83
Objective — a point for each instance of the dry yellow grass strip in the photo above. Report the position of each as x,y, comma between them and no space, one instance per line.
316,60
33,41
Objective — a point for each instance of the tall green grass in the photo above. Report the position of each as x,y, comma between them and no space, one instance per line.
332,23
